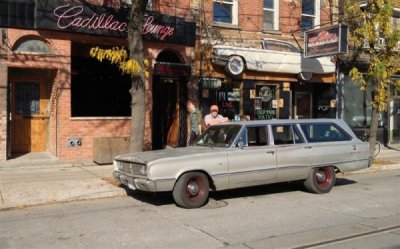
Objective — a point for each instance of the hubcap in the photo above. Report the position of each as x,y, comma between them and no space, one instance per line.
321,176
193,188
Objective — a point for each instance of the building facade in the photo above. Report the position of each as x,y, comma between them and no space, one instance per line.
55,98
273,92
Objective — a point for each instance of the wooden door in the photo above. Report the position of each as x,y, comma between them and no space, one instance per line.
28,118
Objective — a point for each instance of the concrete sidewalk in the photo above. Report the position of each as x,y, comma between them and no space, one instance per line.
36,179
45,181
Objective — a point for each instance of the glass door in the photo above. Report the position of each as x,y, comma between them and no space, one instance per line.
394,121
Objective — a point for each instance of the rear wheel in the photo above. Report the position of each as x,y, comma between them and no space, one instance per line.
321,180
191,190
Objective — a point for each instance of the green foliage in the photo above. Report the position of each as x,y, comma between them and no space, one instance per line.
367,25
119,56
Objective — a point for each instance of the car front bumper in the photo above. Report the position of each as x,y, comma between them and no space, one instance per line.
135,183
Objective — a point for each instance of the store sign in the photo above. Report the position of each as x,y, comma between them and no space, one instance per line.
265,114
326,41
82,17
172,69
212,83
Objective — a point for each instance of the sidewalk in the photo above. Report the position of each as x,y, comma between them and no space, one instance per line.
44,180
40,178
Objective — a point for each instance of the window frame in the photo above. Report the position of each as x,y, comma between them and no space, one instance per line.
260,131
234,11
275,11
294,130
316,17
304,126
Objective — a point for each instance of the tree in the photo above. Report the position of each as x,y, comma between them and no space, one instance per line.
370,25
135,66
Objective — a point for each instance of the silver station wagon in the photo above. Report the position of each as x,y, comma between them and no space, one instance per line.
242,154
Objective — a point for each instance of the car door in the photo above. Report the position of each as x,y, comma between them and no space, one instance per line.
253,160
329,144
293,156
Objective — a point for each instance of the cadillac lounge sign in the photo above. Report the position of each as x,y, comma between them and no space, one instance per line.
326,41
81,17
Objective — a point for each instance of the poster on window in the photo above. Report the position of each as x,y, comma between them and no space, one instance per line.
265,103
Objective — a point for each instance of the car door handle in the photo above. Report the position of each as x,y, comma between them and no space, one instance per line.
307,147
354,147
270,152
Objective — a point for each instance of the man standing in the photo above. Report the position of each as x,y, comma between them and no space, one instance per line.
195,121
214,118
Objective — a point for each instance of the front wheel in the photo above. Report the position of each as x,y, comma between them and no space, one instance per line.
191,190
321,180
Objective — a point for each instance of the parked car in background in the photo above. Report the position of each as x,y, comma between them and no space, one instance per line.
247,153
276,56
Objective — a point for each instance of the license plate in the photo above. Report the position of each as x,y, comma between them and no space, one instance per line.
131,186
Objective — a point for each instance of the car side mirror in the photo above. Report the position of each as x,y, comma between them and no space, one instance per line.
240,144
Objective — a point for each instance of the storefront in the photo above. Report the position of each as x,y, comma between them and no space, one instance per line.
280,97
354,106
56,98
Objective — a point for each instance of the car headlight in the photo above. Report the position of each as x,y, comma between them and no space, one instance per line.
115,164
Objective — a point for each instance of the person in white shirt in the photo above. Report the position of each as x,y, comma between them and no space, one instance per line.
214,118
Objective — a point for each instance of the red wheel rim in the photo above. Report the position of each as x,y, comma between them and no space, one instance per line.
194,188
323,177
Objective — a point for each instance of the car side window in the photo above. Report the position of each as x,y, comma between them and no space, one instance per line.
324,132
285,134
257,136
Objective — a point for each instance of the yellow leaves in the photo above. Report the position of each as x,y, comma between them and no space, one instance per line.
119,56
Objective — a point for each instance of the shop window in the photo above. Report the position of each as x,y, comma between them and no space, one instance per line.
32,45
27,97
271,15
225,11
265,104
98,89
310,14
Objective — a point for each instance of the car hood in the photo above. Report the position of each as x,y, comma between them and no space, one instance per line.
149,156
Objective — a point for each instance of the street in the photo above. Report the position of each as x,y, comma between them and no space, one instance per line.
362,211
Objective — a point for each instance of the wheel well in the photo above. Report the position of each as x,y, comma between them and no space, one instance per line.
244,60
210,180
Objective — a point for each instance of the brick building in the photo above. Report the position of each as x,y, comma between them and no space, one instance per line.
255,25
54,97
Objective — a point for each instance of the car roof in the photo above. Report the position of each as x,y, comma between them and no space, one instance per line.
285,121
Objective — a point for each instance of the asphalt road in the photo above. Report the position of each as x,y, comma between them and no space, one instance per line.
362,211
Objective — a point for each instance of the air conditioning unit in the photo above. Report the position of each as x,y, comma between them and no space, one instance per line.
381,43
366,44
397,46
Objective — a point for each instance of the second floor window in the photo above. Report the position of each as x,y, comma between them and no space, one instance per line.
225,11
309,14
271,16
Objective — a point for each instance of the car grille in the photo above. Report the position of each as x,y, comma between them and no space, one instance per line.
129,167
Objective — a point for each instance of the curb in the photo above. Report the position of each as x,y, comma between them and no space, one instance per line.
377,168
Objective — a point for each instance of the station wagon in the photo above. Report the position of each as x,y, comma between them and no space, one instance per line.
242,154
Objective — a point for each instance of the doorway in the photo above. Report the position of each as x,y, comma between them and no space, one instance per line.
303,105
29,112
394,121
169,101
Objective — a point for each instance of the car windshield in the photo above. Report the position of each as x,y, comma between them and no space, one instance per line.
221,136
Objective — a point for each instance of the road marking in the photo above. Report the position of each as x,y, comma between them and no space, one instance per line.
383,230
